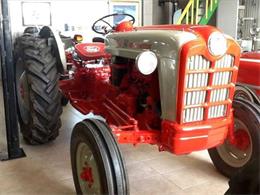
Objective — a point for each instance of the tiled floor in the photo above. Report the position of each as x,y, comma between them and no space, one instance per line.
46,169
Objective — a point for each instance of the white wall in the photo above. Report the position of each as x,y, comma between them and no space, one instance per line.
252,10
82,13
155,14
148,12
78,13
227,17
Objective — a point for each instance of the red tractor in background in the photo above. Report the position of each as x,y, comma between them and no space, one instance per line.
168,85
248,83
247,179
248,86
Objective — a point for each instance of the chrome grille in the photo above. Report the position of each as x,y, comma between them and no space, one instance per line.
194,97
198,62
219,95
193,114
226,62
197,87
197,80
217,111
221,78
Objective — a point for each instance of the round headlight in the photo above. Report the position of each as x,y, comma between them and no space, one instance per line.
146,62
217,44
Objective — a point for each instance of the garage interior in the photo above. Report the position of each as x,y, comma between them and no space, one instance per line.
46,168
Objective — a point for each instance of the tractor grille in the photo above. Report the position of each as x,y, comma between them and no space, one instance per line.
207,86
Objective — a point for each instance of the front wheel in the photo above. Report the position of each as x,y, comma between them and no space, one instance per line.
97,164
230,157
243,92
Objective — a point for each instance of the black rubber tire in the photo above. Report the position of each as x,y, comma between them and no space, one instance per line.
97,135
249,113
246,180
244,93
64,101
39,65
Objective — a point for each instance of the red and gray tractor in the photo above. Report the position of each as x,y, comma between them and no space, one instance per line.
166,85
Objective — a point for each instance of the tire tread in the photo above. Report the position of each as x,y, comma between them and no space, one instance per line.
44,95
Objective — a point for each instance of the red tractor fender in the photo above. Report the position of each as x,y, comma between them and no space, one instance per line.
248,81
249,70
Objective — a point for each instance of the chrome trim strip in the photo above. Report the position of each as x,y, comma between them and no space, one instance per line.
249,60
250,86
195,137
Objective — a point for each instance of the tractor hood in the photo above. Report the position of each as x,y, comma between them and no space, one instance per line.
164,40
165,43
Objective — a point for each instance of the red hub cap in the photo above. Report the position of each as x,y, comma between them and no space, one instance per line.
242,139
87,175
237,150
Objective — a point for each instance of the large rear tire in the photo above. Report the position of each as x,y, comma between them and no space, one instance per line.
229,158
39,98
97,164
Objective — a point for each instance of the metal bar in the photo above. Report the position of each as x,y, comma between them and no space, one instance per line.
217,69
209,88
206,8
9,89
187,17
184,13
136,137
209,104
3,140
192,12
208,14
116,116
197,11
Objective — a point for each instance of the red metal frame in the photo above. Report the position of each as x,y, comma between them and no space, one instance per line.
90,90
249,70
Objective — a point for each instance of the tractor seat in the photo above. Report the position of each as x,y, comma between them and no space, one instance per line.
98,39
91,51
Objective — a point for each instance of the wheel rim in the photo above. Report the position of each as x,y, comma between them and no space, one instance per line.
87,170
237,154
23,98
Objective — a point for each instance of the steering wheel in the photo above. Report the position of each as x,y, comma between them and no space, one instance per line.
108,27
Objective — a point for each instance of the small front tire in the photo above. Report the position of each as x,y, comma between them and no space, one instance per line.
97,164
